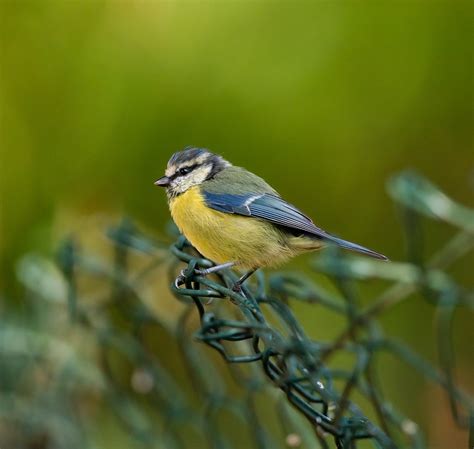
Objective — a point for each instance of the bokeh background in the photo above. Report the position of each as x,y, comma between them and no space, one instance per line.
326,100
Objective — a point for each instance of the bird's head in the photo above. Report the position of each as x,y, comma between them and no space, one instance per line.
189,168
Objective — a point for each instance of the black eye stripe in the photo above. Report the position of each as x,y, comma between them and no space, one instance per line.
186,170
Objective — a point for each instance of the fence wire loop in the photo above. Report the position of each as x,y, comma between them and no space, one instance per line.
284,387
295,364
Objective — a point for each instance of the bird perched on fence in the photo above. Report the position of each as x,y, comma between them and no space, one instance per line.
234,218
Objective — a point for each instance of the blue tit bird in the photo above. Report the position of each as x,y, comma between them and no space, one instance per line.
235,218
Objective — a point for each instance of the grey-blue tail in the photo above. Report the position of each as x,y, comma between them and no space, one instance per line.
354,247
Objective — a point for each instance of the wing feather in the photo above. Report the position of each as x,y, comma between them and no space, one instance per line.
274,209
266,207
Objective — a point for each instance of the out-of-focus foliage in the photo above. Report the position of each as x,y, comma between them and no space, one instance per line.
325,100
112,316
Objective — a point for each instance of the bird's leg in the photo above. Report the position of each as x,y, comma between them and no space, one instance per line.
237,287
214,269
181,279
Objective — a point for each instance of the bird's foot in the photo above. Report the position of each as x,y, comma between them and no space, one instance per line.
237,287
189,272
184,275
180,279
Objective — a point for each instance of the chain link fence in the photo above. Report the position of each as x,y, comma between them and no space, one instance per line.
117,337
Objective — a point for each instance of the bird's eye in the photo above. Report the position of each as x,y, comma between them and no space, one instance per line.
185,170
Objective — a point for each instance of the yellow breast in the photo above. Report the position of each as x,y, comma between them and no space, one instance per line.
223,237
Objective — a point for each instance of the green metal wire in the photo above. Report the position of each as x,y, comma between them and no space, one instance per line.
270,362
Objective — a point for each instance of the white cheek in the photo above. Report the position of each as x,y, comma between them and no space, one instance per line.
180,185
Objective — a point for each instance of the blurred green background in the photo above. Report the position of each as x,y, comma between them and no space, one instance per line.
325,100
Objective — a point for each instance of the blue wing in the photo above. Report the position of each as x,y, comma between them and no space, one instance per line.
277,211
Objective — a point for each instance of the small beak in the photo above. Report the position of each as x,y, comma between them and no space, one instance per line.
163,182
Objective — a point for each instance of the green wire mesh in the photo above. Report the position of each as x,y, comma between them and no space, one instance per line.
161,373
